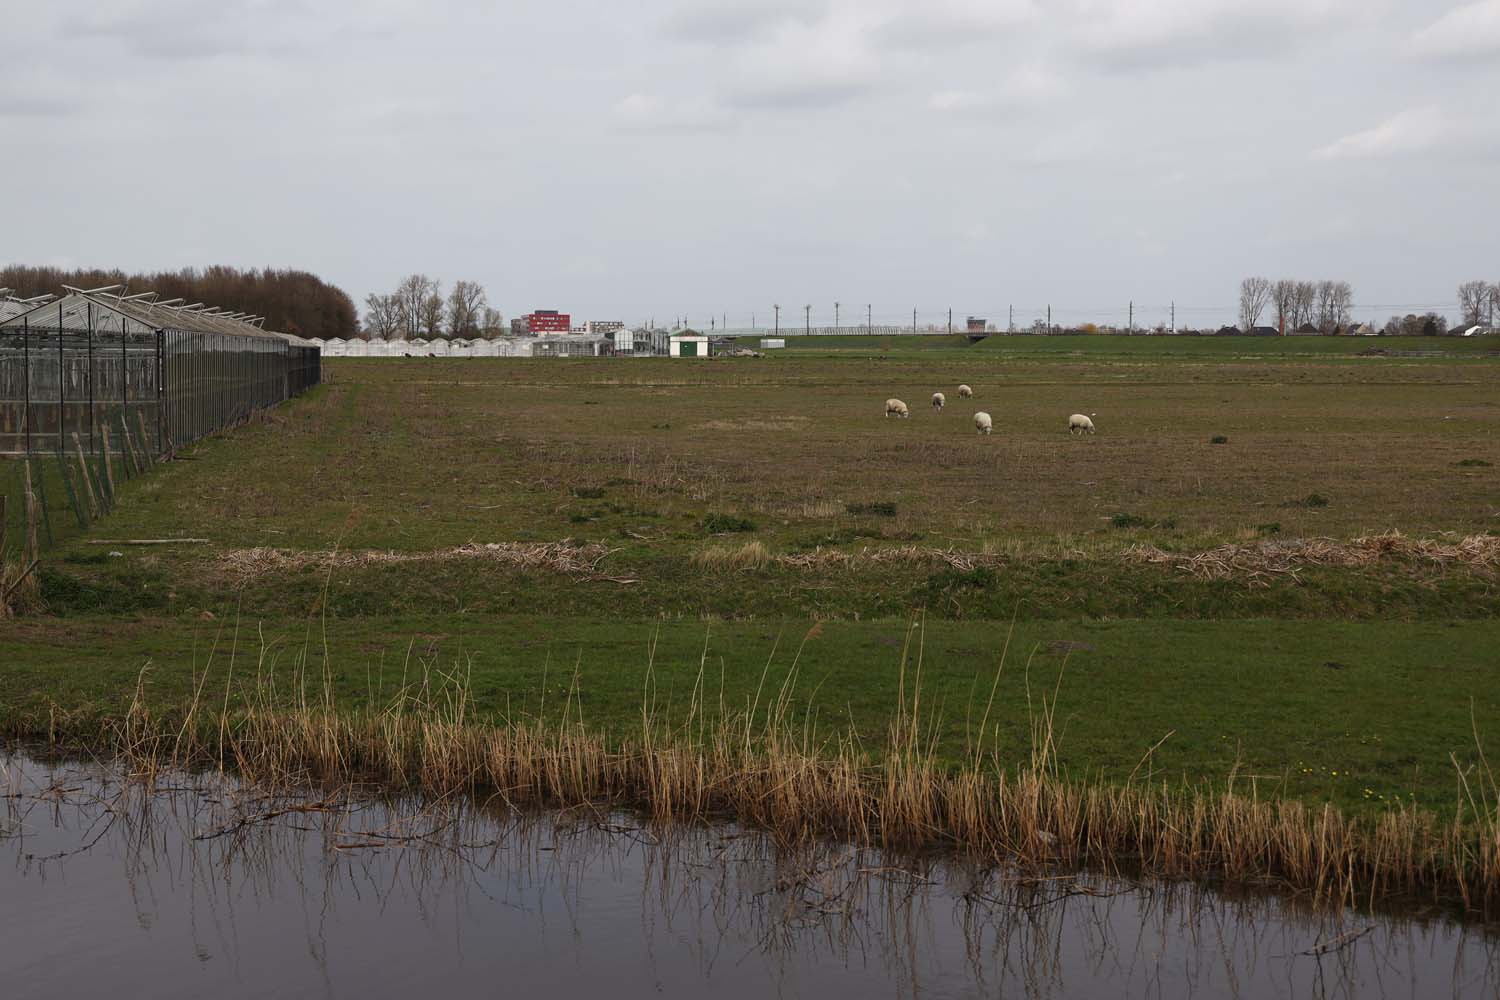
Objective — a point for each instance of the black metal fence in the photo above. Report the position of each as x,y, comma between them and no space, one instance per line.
166,388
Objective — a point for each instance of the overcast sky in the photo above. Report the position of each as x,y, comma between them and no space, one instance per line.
660,157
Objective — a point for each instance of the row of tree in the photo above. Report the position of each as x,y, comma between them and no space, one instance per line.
1479,301
294,302
1294,304
418,308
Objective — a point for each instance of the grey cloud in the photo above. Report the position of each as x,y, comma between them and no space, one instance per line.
367,138
790,95
738,21
1468,30
947,24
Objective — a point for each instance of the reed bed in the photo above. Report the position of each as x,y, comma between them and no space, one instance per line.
768,763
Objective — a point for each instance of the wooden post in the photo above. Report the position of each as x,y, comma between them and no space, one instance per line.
79,510
88,482
127,450
27,583
109,469
146,453
4,604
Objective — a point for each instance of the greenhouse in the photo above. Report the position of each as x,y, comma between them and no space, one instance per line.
97,364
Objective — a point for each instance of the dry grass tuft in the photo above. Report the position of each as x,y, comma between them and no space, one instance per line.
751,555
821,558
565,556
1257,562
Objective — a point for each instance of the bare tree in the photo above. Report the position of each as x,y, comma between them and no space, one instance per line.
432,312
1474,301
466,305
412,297
491,323
1284,299
1335,302
382,317
1305,304
1255,293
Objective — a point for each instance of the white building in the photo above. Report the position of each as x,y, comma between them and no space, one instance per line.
688,346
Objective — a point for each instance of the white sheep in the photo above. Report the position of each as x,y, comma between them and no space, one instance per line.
938,401
964,392
1079,423
896,408
982,422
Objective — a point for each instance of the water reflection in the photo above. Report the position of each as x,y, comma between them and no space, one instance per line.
201,885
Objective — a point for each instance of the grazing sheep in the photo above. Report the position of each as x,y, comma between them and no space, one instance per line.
1079,423
982,422
896,408
938,401
964,392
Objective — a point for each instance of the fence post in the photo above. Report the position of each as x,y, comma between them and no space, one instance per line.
161,397
27,582
26,378
62,386
88,483
93,431
109,469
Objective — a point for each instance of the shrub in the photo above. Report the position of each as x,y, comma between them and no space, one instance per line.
1473,463
881,508
588,492
1311,500
720,524
1268,529
1218,439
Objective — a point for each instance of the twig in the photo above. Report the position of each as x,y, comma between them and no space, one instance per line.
1342,941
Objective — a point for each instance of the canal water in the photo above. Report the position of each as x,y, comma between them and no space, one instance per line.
202,887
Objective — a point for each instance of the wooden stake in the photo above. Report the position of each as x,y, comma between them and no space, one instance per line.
33,550
79,511
140,422
127,449
88,482
4,603
109,468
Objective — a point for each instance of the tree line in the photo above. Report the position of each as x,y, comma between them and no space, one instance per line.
295,302
1295,304
418,308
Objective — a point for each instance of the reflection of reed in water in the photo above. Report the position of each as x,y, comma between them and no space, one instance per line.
722,892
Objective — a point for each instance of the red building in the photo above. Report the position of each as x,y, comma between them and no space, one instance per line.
548,321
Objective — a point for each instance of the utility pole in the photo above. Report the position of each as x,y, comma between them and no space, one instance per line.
950,321
869,321
1174,315
835,317
777,307
1131,327
1049,319
1010,325
807,320
913,319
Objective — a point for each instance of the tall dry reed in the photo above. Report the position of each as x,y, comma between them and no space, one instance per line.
767,762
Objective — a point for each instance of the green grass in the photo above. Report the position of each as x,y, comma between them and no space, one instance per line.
1367,671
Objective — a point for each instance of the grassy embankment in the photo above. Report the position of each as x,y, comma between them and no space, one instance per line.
718,491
